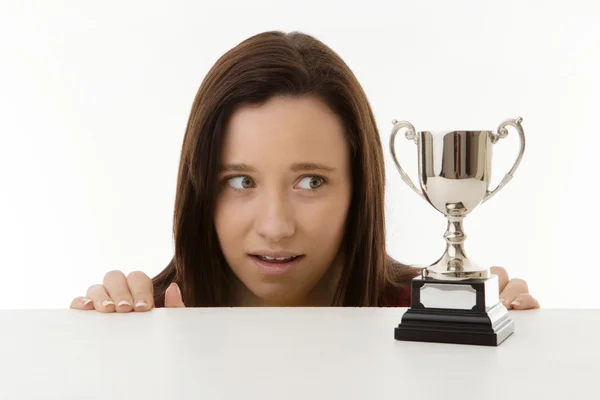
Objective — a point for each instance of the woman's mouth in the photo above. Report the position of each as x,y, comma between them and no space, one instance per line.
276,259
276,264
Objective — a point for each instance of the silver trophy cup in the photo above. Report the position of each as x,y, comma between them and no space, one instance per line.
454,177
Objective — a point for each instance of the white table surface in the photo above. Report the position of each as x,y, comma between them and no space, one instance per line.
287,353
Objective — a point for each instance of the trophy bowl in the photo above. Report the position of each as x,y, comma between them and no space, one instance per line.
455,169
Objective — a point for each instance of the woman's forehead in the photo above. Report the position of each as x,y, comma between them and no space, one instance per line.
299,130
306,113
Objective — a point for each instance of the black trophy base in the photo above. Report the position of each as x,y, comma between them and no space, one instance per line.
486,323
451,326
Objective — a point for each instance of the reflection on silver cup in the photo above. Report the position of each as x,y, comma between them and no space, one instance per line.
454,175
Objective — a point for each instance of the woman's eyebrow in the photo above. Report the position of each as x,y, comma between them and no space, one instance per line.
311,167
236,168
307,166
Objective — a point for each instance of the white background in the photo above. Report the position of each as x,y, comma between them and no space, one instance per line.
94,100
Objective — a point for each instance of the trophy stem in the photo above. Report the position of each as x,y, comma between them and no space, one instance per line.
455,239
454,263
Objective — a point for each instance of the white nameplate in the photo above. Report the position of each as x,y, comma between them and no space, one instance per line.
458,297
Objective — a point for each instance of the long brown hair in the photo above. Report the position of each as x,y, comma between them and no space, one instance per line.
265,65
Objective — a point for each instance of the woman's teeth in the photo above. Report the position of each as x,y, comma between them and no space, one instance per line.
267,258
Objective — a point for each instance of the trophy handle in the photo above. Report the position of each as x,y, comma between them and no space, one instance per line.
411,134
502,133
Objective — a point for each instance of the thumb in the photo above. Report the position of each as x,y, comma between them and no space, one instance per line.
173,297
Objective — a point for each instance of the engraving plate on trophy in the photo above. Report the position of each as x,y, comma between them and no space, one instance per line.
458,297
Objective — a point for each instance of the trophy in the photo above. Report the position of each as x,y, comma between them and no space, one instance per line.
455,300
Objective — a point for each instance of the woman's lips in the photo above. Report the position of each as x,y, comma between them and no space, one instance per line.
276,265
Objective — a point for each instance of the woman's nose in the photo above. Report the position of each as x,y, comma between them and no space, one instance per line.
275,220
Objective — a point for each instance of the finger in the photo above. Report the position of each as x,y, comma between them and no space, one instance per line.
525,301
101,300
142,291
115,284
173,297
514,288
502,277
82,303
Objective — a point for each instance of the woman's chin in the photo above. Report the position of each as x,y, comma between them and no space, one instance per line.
279,300
275,295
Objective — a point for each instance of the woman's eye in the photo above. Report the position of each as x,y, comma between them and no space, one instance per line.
311,182
241,182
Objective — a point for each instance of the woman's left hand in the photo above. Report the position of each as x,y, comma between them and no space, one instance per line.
514,293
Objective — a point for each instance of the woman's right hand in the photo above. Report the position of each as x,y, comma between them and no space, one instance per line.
120,293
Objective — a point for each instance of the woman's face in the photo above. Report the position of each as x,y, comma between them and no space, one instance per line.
284,197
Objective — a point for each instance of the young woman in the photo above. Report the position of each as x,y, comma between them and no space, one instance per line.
280,193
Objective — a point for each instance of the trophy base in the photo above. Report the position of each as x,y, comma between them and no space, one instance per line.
460,312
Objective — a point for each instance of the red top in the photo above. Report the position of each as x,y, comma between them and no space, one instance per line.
397,298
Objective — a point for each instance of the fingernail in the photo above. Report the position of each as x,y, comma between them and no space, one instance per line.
85,302
516,302
178,290
123,303
141,303
106,303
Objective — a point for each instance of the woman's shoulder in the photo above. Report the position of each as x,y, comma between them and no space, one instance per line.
397,296
397,291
